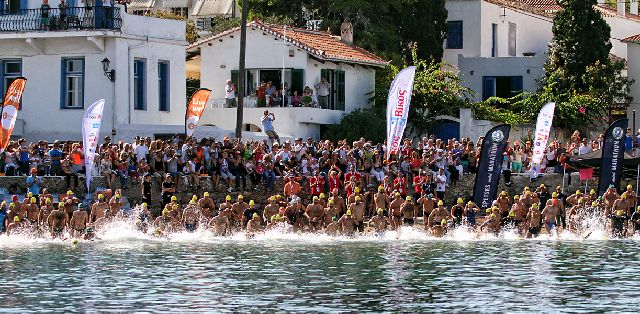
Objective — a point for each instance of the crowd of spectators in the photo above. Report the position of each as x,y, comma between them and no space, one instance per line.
429,164
268,95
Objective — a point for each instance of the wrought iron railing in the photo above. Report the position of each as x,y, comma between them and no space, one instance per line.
55,19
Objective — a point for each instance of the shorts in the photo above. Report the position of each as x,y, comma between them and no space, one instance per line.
190,227
230,102
408,221
517,222
534,231
360,226
550,225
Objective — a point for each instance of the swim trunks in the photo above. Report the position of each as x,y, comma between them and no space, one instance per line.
408,222
534,230
190,227
550,225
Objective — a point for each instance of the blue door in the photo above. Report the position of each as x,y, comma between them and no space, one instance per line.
447,129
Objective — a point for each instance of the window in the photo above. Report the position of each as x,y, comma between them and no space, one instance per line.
494,40
72,83
512,39
501,86
204,23
183,11
454,35
9,71
340,90
139,83
163,85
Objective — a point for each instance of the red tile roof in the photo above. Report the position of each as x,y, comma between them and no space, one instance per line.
550,7
322,45
632,39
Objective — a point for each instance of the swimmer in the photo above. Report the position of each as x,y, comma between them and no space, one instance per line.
534,219
457,211
163,223
208,206
115,204
314,214
379,222
144,219
408,211
100,209
57,220
31,212
347,223
439,230
492,223
220,224
237,209
358,209
470,212
438,214
618,221
395,211
332,228
330,212
271,209
78,222
16,226
550,214
254,225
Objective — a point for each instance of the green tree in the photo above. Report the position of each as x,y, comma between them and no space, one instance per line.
191,32
366,123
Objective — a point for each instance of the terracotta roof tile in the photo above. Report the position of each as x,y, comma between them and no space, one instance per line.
633,39
323,45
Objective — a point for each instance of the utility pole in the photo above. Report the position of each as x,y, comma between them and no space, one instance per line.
241,69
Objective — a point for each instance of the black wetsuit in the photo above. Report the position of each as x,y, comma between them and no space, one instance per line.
457,214
617,222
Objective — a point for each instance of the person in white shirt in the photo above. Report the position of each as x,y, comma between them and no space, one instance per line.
230,95
441,184
324,88
584,148
141,151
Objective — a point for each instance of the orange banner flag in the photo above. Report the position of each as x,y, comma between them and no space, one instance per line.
10,107
195,108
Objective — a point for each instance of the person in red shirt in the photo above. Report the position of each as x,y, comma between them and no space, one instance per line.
334,179
352,174
316,182
418,181
400,185
350,186
262,95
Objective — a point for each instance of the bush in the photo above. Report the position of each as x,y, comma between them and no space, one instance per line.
359,123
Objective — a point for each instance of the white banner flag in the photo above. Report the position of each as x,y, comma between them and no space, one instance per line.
90,131
543,128
398,108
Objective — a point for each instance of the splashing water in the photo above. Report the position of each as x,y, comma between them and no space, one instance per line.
591,225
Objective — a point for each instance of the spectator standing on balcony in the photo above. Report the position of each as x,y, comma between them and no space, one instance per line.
62,8
45,11
261,93
323,89
230,94
295,99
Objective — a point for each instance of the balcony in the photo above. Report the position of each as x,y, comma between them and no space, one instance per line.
72,18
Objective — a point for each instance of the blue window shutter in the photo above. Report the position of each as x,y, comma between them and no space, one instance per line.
62,83
23,5
143,80
163,86
488,87
82,84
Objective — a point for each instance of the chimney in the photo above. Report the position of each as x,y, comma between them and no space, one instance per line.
346,32
622,9
633,7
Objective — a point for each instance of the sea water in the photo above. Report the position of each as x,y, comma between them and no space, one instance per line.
404,271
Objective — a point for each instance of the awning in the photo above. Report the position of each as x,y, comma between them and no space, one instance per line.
141,4
176,3
215,8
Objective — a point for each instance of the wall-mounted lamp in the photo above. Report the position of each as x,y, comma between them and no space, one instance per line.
110,74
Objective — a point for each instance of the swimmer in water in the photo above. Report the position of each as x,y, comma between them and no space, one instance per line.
439,230
379,222
618,220
534,219
57,221
314,215
550,214
333,228
78,222
347,223
16,226
254,225
220,224
190,216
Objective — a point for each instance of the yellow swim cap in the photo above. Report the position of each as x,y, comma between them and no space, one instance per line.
637,209
440,203
408,198
144,205
380,188
30,194
629,187
100,196
542,185
228,197
14,205
330,202
397,194
488,210
527,193
444,221
581,201
495,208
578,192
512,214
206,194
526,188
470,203
516,197
460,201
33,200
278,196
118,195
48,201
619,212
240,197
504,193
592,192
194,197
192,202
16,219
357,190
534,205
380,210
595,204
322,195
255,215
175,206
165,212
348,212
174,198
69,192
624,195
60,205
251,203
358,198
315,198
554,194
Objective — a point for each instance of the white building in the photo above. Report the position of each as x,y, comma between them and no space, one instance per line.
62,59
307,56
500,46
633,72
200,11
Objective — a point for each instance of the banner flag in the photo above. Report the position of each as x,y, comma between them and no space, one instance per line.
490,165
543,129
398,103
195,109
10,107
90,133
586,173
612,156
